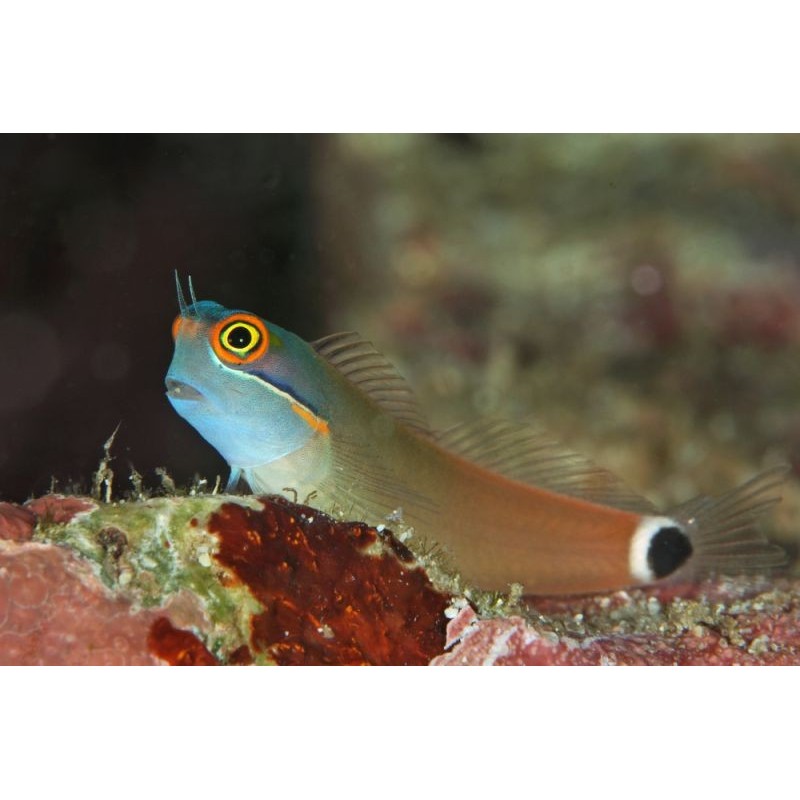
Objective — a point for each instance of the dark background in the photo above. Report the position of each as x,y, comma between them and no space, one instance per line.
91,229
499,273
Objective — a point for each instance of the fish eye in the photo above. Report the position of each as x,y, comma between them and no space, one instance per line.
240,339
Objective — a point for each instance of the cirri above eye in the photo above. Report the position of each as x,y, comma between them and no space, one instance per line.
240,339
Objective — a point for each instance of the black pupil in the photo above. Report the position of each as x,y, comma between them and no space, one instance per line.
239,337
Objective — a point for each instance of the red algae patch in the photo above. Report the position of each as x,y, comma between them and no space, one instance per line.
178,647
332,592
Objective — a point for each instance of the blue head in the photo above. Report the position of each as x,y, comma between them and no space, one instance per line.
253,390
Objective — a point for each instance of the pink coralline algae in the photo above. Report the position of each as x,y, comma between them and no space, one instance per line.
53,608
16,523
54,611
57,508
638,628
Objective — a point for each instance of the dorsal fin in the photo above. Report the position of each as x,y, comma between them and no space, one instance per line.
525,453
359,362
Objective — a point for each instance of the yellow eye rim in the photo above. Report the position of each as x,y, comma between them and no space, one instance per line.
227,351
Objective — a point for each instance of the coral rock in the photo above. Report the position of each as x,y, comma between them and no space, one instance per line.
53,610
207,580
724,624
58,508
244,580
16,523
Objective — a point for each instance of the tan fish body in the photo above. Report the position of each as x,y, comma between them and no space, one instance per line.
335,419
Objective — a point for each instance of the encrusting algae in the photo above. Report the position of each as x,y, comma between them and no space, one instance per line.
275,582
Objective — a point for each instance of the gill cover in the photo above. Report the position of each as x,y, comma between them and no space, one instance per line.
247,386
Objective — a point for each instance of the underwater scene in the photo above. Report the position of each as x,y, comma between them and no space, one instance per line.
452,399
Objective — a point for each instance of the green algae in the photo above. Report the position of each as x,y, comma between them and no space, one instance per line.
152,551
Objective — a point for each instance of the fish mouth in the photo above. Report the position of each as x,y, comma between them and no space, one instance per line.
178,390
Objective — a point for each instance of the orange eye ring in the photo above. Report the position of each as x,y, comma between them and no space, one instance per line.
176,326
239,339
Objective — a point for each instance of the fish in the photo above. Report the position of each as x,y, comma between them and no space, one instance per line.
333,420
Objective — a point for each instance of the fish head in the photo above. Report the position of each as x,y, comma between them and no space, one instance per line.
253,390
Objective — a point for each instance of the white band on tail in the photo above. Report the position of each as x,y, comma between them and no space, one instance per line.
639,560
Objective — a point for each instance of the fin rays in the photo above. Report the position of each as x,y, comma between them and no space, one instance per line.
372,489
724,530
526,454
358,361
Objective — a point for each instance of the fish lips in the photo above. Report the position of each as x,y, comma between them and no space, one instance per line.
178,390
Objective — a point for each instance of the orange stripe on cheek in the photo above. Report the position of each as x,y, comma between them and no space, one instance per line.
316,423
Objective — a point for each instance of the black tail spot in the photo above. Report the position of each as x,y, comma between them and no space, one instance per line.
669,549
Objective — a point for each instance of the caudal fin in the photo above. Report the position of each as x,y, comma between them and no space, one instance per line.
724,531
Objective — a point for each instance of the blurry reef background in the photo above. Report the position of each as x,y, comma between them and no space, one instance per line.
638,295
